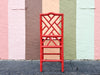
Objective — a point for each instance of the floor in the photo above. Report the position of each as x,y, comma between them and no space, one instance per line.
32,67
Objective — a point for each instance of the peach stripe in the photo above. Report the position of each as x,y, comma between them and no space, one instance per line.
50,6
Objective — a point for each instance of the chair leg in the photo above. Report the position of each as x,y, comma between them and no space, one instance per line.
62,66
40,66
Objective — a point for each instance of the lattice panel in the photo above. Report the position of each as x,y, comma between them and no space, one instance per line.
51,25
50,41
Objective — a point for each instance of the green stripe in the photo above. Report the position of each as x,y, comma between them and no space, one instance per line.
68,8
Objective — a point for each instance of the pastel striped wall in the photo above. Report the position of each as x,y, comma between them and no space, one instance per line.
97,30
16,26
20,35
85,29
4,29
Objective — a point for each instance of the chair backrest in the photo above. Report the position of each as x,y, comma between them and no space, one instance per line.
51,24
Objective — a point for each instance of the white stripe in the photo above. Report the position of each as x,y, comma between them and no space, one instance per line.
16,32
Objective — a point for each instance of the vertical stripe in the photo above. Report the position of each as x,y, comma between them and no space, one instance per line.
85,29
97,29
68,7
3,29
16,20
33,10
51,6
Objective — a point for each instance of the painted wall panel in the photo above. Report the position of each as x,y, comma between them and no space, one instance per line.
97,29
32,16
68,8
16,22
4,29
85,31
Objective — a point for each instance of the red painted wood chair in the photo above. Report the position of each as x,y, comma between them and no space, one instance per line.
51,37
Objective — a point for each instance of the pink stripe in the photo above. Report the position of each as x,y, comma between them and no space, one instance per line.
97,29
3,29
